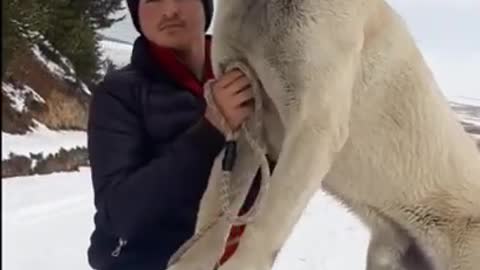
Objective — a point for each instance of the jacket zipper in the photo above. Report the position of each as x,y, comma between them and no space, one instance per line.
118,249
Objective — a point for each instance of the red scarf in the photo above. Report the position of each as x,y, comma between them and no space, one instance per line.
168,62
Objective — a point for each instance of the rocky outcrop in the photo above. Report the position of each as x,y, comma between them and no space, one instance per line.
39,91
37,88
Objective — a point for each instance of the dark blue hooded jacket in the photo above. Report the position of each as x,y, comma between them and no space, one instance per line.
151,151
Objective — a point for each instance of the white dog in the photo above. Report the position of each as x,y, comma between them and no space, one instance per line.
350,106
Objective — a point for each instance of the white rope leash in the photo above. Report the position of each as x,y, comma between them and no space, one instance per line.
260,152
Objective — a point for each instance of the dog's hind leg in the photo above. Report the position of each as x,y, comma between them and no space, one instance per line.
388,242
390,247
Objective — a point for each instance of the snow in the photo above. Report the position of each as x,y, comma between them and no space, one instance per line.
41,140
47,222
85,89
19,95
57,70
468,112
25,31
474,121
324,237
117,52
469,101
52,66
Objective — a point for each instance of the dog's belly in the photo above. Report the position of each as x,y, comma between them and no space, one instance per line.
384,165
363,178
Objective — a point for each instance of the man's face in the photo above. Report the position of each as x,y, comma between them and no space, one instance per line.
172,23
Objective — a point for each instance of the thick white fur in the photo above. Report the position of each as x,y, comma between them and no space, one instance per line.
353,108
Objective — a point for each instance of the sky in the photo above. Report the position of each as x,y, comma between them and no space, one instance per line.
446,32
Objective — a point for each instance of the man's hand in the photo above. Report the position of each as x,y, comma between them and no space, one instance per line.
233,96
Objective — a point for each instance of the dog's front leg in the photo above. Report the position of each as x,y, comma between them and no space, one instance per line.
291,187
313,137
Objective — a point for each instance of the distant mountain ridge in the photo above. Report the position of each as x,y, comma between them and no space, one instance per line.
108,38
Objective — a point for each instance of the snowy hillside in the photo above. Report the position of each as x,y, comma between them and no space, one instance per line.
44,116
41,139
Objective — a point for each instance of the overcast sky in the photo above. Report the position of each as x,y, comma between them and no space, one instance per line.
447,32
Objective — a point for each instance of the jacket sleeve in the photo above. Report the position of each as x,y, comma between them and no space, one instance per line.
134,189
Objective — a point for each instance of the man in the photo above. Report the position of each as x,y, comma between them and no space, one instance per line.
152,140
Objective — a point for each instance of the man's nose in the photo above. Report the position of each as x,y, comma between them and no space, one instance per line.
170,8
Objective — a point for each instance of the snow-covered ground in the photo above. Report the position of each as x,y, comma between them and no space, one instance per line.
47,221
41,140
467,113
117,52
